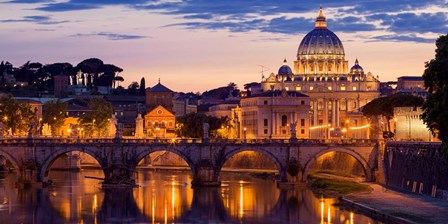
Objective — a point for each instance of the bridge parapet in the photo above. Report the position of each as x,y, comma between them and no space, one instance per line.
191,141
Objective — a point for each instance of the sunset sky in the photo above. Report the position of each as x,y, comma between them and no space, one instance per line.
198,45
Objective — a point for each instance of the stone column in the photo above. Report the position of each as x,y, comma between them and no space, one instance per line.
338,122
333,113
325,111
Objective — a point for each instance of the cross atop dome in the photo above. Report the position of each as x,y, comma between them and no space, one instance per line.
321,22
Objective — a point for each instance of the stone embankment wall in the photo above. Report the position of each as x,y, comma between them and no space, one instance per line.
417,167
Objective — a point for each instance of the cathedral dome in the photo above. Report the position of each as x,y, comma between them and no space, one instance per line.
321,41
285,70
356,69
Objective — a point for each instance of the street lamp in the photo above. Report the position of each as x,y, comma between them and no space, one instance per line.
244,133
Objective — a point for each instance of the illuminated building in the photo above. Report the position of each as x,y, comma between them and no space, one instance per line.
159,120
271,114
408,125
336,93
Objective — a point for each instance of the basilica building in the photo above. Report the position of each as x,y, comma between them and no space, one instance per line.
336,92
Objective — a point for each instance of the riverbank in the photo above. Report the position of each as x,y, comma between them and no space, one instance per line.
397,207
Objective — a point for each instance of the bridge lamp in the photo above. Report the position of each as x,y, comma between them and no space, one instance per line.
244,132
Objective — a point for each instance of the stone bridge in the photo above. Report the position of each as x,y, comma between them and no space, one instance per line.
119,158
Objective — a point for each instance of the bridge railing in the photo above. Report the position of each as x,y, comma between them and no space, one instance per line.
127,140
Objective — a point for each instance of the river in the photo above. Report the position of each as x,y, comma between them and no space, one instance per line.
167,197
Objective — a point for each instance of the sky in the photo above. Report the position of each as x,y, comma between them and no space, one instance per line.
198,45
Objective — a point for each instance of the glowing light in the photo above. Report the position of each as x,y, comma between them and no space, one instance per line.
351,218
329,216
95,201
322,207
241,200
360,127
320,126
173,200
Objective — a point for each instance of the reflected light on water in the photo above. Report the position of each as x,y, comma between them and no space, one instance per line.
241,211
241,199
173,200
322,207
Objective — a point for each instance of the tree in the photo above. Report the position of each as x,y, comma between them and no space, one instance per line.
222,92
435,76
133,86
15,115
54,115
96,122
190,125
142,90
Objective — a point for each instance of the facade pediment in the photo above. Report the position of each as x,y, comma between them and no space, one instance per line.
321,89
159,111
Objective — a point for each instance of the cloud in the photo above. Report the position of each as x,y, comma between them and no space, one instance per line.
280,16
111,36
401,38
411,22
42,20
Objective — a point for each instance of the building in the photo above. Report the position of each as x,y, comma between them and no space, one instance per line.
336,93
274,114
409,126
160,120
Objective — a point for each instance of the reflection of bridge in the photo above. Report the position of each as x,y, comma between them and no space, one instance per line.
119,157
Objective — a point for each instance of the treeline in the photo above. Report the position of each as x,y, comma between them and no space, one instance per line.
41,77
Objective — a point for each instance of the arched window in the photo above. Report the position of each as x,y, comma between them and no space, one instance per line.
284,120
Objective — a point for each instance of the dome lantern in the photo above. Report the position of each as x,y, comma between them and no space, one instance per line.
321,22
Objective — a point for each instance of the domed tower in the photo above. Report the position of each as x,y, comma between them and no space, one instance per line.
321,53
285,72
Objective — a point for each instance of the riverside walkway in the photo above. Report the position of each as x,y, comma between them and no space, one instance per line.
396,207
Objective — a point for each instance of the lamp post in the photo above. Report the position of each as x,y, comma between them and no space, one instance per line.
244,133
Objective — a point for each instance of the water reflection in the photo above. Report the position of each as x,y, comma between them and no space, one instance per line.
167,197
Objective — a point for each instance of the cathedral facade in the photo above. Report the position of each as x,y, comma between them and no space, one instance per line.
336,93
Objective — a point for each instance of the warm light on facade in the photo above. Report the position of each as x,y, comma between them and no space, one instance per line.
360,127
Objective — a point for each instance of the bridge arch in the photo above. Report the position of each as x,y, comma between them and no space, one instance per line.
147,151
279,164
44,169
364,164
11,159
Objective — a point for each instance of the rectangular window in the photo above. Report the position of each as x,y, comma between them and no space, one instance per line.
286,88
302,122
302,102
265,102
265,131
311,87
330,88
265,122
342,88
298,88
354,88
302,131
